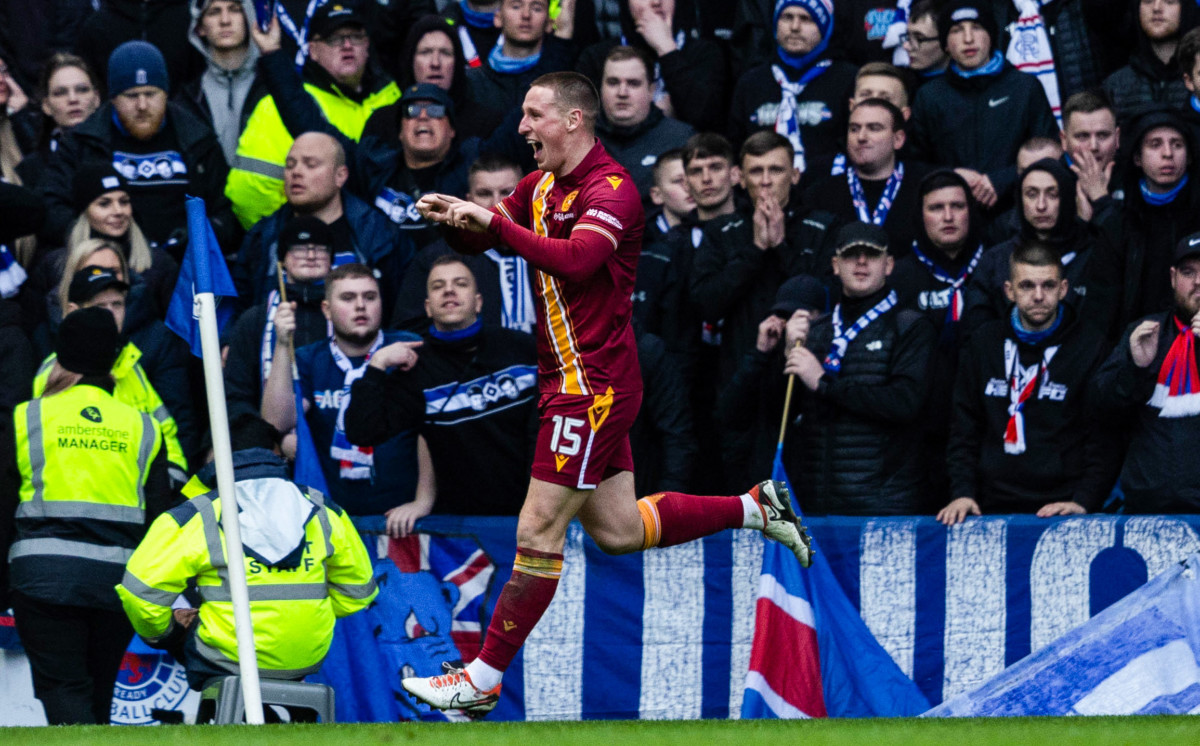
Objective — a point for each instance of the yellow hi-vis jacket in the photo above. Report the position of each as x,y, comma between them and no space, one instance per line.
84,459
133,387
292,610
255,184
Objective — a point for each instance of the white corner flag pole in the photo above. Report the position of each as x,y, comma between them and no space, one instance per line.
214,384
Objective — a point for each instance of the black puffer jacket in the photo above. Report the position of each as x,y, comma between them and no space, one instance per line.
854,450
637,147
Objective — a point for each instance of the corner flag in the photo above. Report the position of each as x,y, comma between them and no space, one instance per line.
203,271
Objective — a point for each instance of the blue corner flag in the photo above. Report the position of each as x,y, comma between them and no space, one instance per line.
809,609
307,469
203,271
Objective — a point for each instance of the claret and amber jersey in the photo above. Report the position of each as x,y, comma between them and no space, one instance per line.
583,234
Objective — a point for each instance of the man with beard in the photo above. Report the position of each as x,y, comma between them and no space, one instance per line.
933,279
363,481
1149,382
1024,439
162,151
1045,199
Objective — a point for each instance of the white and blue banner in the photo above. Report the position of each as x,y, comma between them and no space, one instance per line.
668,633
1140,656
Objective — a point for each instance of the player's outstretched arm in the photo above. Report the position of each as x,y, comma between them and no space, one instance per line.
447,211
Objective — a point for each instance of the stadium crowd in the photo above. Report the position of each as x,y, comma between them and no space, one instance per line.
956,241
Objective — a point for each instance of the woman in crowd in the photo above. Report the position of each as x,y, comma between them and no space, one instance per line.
106,214
69,93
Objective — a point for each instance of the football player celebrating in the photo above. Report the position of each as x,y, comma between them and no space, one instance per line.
578,220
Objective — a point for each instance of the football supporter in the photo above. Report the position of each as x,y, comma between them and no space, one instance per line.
585,229
1023,438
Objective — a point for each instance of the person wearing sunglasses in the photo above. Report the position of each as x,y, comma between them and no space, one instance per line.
337,78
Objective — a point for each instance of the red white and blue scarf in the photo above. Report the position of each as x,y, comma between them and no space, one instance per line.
956,282
356,462
1022,384
1177,393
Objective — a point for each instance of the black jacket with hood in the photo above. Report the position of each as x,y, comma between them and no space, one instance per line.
1073,239
1148,81
471,119
1131,276
918,289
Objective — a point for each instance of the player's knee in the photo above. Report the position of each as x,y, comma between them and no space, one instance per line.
613,541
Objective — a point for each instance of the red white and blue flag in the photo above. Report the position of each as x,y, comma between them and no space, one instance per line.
813,655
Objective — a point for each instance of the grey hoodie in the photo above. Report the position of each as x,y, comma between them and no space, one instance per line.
226,90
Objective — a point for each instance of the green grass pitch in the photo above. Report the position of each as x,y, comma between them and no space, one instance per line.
1092,731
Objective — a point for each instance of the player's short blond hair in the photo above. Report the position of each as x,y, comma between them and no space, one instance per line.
572,91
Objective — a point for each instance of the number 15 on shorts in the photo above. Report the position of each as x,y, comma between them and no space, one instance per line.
567,439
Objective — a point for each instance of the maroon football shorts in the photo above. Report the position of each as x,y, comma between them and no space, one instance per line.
583,440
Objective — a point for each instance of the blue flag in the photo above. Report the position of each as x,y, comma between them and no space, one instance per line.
809,609
307,469
203,271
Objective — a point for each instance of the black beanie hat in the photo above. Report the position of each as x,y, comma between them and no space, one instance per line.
92,179
958,11
88,342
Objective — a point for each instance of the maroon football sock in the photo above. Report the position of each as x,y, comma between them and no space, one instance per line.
522,602
671,518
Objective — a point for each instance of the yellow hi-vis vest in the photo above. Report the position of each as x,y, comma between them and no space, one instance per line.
133,387
255,184
292,610
84,458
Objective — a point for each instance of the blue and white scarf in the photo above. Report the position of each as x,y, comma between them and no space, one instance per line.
12,274
787,120
898,26
956,282
511,65
268,338
885,200
355,462
299,34
1030,52
515,292
842,339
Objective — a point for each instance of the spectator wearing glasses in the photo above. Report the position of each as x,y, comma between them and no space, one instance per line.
336,76
428,160
926,57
